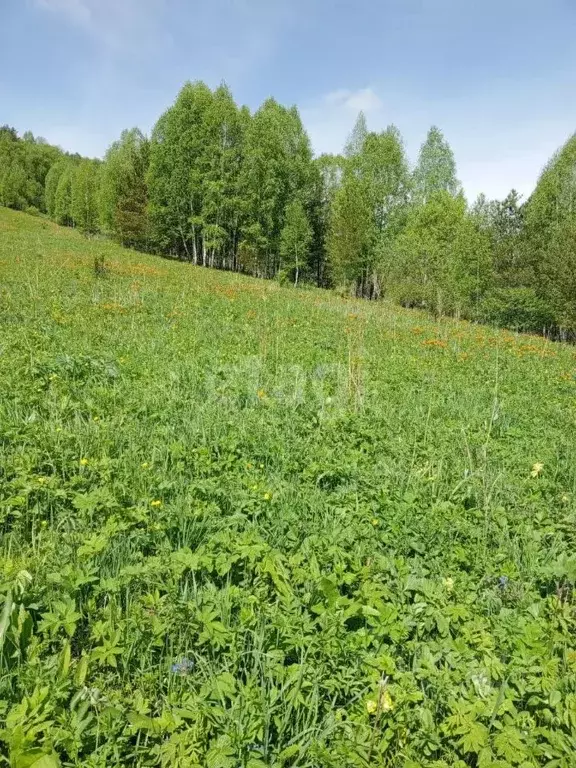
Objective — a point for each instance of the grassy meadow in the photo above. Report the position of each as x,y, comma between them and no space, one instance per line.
247,525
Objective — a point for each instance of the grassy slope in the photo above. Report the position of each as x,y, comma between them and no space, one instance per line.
298,495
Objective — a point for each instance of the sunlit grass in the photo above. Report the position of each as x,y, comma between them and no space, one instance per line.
250,525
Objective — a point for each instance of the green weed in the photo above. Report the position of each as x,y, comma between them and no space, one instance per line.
244,525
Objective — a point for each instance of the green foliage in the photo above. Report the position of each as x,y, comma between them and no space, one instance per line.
123,192
24,165
557,273
369,205
242,525
63,198
221,213
84,202
441,260
295,239
326,175
511,257
554,198
276,170
51,186
518,308
384,167
352,234
550,229
13,184
436,168
178,152
355,142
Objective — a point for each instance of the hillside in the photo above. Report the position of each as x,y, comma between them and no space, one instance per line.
246,525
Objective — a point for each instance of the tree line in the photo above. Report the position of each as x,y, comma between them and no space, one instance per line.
219,186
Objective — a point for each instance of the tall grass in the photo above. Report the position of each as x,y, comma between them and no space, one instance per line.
243,525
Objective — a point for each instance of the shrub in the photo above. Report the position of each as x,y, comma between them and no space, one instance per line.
517,308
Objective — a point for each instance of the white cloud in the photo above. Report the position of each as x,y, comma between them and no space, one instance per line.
115,23
364,100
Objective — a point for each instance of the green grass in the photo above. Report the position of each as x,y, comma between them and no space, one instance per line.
243,525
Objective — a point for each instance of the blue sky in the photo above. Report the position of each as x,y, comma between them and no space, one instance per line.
498,76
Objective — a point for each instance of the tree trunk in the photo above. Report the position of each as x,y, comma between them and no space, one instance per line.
297,270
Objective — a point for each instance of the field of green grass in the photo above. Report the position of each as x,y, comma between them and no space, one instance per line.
246,525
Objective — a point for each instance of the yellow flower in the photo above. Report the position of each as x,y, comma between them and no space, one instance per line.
261,394
156,503
386,702
83,462
375,521
267,496
96,418
144,465
536,469
371,706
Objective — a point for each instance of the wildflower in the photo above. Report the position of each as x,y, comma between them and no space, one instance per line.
182,667
156,503
58,429
261,466
536,469
261,394
448,583
254,487
267,496
371,706
83,462
144,465
44,523
565,498
386,702
96,418
375,521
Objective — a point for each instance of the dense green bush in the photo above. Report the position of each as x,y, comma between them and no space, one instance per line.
518,308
